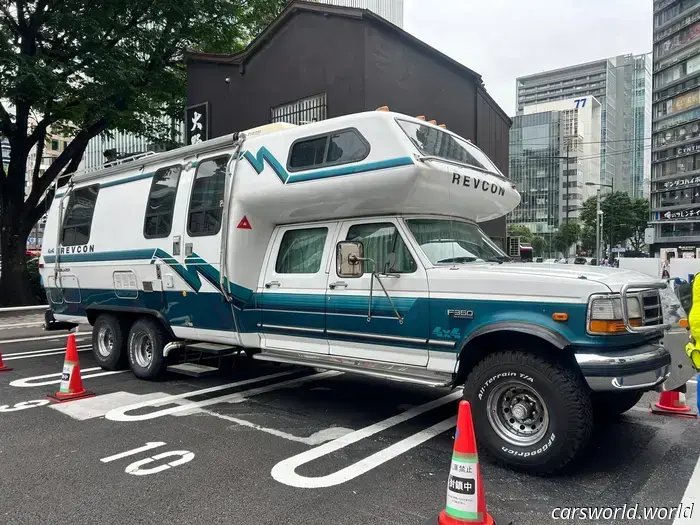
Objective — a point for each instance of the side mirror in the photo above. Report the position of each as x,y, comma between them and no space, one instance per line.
350,259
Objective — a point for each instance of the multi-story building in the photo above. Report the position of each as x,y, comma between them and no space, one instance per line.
391,10
111,146
675,183
554,153
622,85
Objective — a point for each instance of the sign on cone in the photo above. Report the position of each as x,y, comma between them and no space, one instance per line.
3,368
71,382
466,501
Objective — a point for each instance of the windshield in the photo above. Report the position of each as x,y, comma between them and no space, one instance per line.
432,141
446,241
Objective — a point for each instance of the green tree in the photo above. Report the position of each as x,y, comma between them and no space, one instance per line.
567,235
538,244
81,67
640,215
618,217
515,230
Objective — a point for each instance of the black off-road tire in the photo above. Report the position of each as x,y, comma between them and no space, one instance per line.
152,329
562,391
610,405
107,324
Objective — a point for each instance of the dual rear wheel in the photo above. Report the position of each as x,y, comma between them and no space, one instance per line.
115,344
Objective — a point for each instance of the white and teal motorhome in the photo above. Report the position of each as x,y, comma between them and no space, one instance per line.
352,244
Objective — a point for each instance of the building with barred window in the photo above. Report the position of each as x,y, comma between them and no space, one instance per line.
320,61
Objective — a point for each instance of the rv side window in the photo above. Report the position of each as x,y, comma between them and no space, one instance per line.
161,202
301,251
382,243
78,217
333,149
207,200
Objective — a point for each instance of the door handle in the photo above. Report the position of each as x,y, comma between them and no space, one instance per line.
271,284
339,284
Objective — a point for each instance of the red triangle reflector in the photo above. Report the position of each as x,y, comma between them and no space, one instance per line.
244,224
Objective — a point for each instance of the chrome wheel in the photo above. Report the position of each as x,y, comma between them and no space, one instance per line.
517,413
143,349
105,341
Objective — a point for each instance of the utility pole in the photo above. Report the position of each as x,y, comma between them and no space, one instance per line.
566,174
597,228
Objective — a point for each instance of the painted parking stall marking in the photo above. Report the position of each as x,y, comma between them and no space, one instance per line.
121,414
24,405
30,382
285,471
43,353
136,468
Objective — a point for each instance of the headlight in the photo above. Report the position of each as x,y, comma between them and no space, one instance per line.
605,315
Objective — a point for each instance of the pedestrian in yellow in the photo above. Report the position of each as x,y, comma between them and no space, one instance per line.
694,324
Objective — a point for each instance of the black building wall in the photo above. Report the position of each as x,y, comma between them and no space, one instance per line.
361,63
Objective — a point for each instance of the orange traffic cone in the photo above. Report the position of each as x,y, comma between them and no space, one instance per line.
672,403
466,501
3,368
71,383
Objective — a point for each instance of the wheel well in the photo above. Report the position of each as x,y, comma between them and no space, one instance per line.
479,347
128,318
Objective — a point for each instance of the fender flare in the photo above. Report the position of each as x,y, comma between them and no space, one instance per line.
545,333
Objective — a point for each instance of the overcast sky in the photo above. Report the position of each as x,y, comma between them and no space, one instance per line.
504,39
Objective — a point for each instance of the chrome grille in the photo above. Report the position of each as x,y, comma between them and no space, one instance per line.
651,308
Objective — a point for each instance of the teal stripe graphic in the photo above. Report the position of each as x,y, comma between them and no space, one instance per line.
258,164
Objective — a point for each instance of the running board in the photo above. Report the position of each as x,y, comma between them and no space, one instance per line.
394,372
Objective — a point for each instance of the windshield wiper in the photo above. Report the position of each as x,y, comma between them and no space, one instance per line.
457,260
500,259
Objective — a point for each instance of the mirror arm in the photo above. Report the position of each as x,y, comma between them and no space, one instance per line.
396,312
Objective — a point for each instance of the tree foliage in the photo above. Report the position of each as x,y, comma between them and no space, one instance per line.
567,235
538,244
515,230
81,67
623,218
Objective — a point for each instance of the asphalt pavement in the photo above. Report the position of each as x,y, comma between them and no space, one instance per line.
272,444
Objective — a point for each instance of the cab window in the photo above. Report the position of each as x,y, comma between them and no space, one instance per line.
384,245
301,251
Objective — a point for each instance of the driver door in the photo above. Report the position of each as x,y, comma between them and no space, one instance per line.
352,331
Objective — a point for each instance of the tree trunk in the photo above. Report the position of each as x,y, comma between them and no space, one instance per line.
14,279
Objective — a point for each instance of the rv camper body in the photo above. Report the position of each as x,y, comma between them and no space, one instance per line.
351,244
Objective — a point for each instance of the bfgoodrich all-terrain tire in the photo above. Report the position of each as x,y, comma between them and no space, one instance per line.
146,342
109,335
529,413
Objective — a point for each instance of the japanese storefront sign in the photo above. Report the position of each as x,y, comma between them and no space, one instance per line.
197,123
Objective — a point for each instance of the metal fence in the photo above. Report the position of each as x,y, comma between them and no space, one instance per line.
304,111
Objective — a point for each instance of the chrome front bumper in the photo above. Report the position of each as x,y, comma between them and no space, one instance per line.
640,368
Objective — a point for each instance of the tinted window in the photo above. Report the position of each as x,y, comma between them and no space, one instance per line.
380,241
301,251
161,202
435,142
342,147
78,216
207,201
308,153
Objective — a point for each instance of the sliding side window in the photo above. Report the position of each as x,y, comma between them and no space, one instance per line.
161,203
78,216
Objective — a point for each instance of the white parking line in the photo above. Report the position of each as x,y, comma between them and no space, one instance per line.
30,352
41,338
119,414
322,436
20,325
690,498
284,471
44,353
29,382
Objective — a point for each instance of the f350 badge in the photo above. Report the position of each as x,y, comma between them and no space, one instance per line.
461,314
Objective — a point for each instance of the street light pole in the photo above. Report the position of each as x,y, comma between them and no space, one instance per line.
597,227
